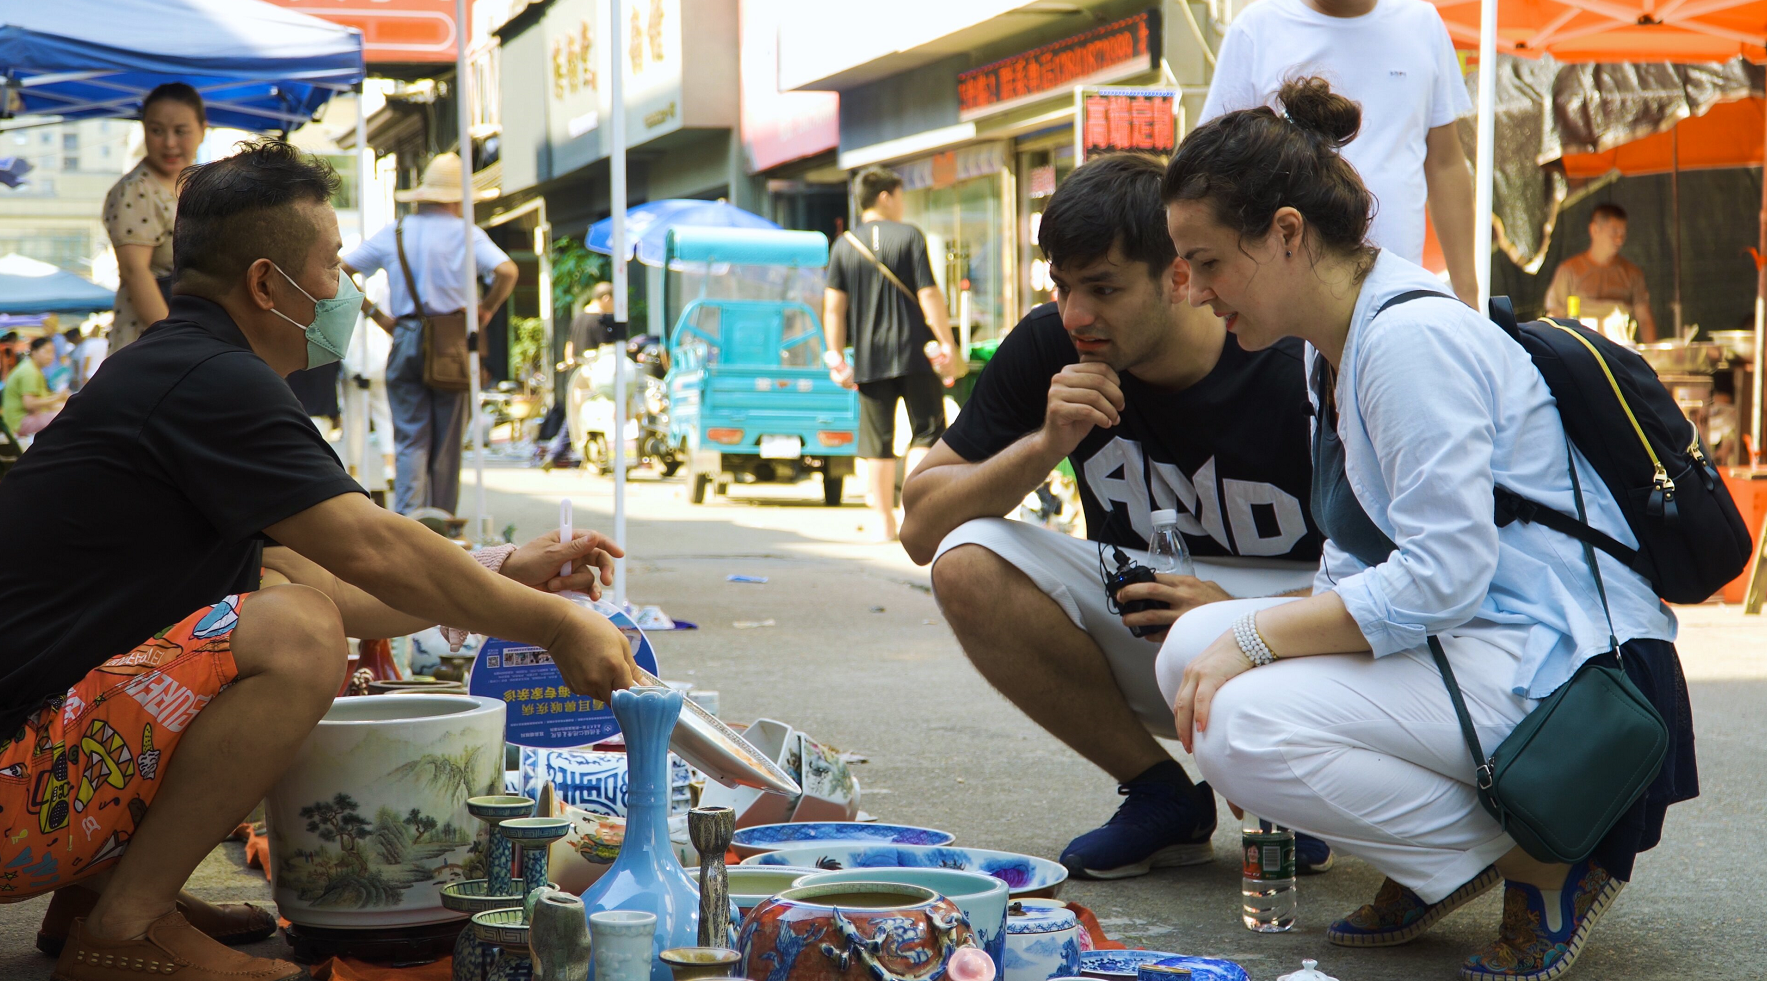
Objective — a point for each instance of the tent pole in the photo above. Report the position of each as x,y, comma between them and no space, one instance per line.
1675,217
356,423
469,264
1755,373
617,200
1487,126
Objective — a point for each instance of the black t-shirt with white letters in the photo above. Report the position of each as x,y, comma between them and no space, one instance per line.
1229,453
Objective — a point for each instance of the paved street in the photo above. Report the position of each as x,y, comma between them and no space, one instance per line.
860,658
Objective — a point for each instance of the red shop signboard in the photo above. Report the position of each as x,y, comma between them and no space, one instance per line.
1105,53
1112,120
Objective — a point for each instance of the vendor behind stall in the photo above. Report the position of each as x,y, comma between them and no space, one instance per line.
152,686
1601,279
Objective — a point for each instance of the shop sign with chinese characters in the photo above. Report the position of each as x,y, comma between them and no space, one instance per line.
1116,119
1107,53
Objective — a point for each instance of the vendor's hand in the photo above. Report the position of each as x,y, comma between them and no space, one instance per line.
1082,397
592,654
591,555
1181,594
1219,663
843,375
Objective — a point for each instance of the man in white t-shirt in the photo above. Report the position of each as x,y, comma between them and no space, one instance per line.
1393,57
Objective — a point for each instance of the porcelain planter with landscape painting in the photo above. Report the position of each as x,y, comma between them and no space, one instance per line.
370,821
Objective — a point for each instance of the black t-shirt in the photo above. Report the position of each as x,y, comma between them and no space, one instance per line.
1230,452
146,499
887,329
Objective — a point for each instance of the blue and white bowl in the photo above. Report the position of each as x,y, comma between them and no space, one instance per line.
1116,965
749,842
1024,875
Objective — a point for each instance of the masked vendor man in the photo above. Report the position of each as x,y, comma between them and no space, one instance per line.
198,557
1602,280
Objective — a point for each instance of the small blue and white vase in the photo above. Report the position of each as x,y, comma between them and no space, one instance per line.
1042,942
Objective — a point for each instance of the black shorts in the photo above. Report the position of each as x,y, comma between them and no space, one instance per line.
925,394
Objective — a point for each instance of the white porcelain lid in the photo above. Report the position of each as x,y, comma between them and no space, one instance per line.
1309,972
1026,919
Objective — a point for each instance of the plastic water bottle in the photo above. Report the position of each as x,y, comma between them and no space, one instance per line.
1168,553
1268,882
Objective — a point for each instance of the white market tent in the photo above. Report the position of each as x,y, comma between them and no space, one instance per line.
259,67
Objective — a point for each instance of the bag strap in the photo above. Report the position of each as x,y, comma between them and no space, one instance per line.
410,280
1509,506
1613,641
888,273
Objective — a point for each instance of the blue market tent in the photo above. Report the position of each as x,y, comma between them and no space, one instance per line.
30,286
647,225
259,67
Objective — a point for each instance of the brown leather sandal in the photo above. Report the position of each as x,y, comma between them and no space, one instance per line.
228,923
172,950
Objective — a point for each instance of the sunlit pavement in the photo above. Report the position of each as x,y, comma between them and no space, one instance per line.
858,656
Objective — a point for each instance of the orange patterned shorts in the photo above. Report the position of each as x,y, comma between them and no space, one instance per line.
79,775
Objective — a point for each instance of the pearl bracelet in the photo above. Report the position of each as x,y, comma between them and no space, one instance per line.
1251,643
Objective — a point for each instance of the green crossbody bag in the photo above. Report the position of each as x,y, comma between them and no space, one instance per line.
1568,772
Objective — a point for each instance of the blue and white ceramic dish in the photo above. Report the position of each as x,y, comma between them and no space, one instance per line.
772,837
1024,875
1042,942
1114,965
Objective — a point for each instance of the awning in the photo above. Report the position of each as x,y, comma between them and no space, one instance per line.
259,67
1618,30
30,286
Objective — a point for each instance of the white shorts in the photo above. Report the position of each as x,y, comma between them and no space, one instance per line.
1066,570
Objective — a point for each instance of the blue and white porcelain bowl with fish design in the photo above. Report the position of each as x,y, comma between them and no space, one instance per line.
752,841
1024,875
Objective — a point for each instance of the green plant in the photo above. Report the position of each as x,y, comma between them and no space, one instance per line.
574,270
527,346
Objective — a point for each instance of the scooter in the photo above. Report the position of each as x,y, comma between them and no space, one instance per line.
590,408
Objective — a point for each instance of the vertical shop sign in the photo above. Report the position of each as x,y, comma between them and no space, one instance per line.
1106,53
1112,119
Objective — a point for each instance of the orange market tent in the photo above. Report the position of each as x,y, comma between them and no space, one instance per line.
1729,135
1609,31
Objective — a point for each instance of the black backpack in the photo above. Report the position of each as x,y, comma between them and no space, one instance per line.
1691,538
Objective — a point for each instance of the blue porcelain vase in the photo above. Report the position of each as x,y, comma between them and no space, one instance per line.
646,877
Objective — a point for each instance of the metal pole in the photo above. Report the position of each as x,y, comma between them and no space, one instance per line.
1487,153
469,263
356,424
1675,219
617,172
543,256
1755,370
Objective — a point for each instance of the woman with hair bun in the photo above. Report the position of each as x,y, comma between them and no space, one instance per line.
142,206
1344,728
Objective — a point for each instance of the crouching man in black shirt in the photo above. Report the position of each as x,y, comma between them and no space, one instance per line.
1157,407
150,691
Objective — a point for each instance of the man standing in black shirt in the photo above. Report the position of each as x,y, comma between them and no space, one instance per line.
1158,408
881,294
130,748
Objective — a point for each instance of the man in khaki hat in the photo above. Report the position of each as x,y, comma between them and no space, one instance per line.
428,423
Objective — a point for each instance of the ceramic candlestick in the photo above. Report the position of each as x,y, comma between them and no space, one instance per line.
710,829
508,929
621,940
472,957
558,937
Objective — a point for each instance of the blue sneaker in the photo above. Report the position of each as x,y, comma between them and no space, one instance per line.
1312,856
1159,825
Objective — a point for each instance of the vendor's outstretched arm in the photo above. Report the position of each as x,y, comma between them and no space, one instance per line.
946,490
411,569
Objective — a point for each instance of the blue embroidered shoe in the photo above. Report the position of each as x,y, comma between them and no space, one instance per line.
1159,825
1397,916
1312,856
1536,942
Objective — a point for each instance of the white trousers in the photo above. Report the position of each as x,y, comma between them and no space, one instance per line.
1364,753
1065,568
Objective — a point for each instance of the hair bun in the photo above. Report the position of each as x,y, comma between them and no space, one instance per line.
1311,104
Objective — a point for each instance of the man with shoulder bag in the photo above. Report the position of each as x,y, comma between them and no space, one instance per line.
427,378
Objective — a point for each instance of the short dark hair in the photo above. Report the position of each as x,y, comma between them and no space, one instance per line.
1249,163
1109,201
9,337
1607,210
240,209
72,335
38,342
874,181
176,92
